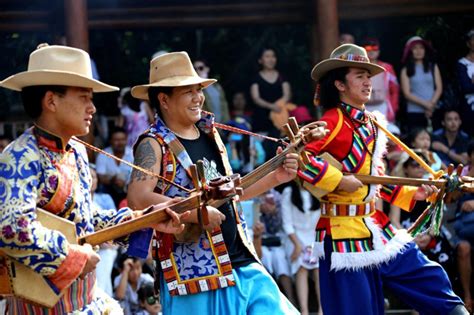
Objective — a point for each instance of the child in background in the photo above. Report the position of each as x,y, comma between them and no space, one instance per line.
273,241
420,138
300,212
149,300
127,283
245,152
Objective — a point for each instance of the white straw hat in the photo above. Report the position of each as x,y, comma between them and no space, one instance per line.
57,65
171,69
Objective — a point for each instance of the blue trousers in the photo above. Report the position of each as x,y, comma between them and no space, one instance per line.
419,282
255,293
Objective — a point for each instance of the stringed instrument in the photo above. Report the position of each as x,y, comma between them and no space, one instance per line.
21,281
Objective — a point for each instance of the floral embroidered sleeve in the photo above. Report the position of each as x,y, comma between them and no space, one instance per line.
23,238
137,243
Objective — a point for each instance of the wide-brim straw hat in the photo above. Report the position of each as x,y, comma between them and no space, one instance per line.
346,55
57,65
170,70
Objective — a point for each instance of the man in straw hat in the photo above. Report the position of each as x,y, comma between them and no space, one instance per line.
216,272
357,245
45,168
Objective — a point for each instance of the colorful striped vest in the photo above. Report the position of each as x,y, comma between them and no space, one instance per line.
192,267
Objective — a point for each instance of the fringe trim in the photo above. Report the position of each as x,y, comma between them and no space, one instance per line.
381,253
318,250
379,151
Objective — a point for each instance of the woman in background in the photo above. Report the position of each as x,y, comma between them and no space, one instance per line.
421,82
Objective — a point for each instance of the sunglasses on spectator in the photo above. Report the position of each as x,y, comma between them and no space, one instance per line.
200,68
152,299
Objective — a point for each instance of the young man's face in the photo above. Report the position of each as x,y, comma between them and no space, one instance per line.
452,121
73,111
184,105
357,88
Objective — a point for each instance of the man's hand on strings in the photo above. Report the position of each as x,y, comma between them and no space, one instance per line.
174,224
215,218
349,183
287,171
315,130
425,191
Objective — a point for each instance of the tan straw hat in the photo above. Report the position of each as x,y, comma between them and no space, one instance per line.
171,69
347,55
57,65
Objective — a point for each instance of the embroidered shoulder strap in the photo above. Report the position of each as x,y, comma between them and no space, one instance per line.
168,165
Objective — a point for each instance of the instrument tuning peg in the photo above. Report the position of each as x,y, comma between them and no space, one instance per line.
293,125
287,130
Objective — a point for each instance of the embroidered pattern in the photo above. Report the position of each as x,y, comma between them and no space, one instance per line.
32,174
190,268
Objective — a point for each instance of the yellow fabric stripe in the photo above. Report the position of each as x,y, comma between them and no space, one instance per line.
336,130
404,198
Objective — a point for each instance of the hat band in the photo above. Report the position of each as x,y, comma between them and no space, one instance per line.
352,57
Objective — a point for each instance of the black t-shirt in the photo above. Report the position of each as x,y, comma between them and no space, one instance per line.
270,92
205,149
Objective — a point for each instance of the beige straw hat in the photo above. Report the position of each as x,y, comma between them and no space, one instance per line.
171,69
57,65
347,55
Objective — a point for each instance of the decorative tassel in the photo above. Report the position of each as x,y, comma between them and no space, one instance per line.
317,94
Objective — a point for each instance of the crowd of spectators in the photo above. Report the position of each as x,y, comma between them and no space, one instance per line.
282,222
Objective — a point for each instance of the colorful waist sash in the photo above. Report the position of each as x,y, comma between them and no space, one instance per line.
344,210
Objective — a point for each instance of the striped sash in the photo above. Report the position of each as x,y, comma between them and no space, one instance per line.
76,297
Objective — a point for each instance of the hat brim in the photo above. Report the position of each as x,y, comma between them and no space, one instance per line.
141,91
48,77
330,64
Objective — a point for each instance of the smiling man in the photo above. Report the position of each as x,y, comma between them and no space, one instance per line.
217,271
357,246
44,168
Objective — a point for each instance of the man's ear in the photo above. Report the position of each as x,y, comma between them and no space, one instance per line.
49,101
163,100
340,86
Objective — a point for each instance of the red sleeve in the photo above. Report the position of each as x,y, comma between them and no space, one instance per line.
331,117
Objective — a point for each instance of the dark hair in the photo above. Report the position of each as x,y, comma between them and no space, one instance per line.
449,109
428,62
115,130
296,197
470,147
262,50
328,93
414,133
153,93
146,289
121,259
411,160
203,60
32,97
6,137
132,103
